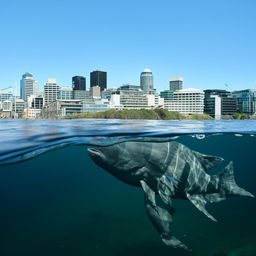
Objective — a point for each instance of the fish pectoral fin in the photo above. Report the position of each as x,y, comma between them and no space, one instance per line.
160,215
166,188
199,202
149,193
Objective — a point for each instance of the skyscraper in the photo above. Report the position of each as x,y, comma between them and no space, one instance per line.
98,78
176,84
146,81
28,86
79,83
51,90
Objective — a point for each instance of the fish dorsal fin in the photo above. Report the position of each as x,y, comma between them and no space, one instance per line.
208,161
199,202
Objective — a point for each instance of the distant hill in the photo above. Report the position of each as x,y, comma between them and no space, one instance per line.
147,114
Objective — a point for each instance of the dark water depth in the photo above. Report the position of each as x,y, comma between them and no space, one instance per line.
61,203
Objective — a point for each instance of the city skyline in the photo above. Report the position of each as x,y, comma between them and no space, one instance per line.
16,87
210,44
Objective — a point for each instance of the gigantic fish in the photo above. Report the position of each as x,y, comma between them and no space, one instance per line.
168,170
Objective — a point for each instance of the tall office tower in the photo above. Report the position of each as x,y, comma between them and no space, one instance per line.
51,90
28,86
98,78
79,83
176,84
146,81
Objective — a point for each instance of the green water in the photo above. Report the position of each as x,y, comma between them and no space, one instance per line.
61,203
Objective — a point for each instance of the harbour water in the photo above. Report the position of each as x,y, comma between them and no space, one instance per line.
56,201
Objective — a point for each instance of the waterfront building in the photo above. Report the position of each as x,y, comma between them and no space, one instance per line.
51,90
34,107
60,108
246,101
18,106
79,83
219,103
5,95
130,90
135,101
35,102
7,105
146,81
186,101
155,100
28,86
166,94
176,84
6,109
106,94
98,105
65,93
95,91
98,78
130,87
31,113
81,94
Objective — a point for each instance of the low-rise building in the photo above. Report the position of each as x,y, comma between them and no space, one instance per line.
81,94
246,101
219,103
95,91
65,93
5,95
60,108
18,106
166,94
31,113
186,101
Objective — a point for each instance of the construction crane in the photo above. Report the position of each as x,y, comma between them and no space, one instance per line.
6,88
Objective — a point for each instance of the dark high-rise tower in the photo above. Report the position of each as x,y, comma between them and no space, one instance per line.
79,83
99,78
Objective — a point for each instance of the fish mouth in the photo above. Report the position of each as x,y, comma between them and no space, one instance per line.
95,153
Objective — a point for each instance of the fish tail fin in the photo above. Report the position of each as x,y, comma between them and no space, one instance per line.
173,242
227,183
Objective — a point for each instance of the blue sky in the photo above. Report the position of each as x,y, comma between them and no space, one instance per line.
209,42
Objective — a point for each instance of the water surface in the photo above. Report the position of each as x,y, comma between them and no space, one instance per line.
61,203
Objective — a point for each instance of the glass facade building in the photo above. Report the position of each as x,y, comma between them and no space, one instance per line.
227,103
246,101
28,86
146,81
65,93
79,83
5,95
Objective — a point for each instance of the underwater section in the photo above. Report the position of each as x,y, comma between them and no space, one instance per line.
64,203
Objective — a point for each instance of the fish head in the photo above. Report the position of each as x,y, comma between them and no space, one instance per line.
117,158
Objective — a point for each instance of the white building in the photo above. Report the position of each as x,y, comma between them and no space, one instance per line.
155,100
51,90
95,91
136,101
5,95
7,105
186,101
32,113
